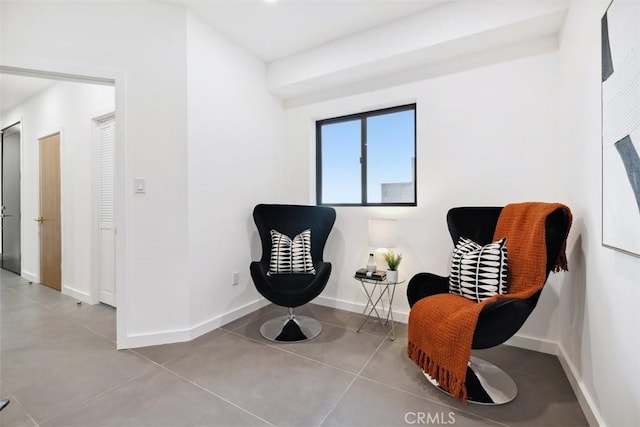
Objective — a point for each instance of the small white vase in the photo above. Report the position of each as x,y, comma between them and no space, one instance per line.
392,276
371,264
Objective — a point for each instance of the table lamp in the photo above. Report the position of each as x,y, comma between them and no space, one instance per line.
382,235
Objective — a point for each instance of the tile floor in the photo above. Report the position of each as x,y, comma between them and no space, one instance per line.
59,367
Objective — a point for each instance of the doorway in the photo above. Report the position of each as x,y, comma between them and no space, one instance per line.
50,213
11,254
73,101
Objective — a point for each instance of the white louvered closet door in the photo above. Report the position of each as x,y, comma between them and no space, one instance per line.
107,131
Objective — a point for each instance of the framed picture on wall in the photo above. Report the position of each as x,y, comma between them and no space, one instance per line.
621,127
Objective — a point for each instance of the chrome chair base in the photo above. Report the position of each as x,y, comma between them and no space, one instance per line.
486,384
291,328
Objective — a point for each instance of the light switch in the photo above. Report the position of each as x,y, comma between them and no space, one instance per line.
140,185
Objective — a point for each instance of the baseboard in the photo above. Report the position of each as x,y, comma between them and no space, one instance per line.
230,316
30,277
154,338
534,344
398,316
181,335
74,293
585,401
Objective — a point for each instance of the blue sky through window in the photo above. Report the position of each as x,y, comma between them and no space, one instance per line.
341,163
390,157
390,151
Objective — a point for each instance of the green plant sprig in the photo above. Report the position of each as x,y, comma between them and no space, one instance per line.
393,260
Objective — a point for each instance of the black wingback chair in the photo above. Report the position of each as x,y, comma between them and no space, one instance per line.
500,320
292,290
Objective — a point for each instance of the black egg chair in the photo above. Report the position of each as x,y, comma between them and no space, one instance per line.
498,321
292,290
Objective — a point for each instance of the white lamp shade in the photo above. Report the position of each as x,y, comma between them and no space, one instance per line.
382,233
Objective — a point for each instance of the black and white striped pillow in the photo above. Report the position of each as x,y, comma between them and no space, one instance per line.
479,272
291,255
464,246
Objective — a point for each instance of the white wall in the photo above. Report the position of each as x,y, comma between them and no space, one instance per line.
68,108
599,317
485,137
142,46
235,141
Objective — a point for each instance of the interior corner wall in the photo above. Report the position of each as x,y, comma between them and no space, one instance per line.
599,316
235,146
142,45
68,108
486,136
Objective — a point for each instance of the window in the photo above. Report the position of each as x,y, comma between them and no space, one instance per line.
367,158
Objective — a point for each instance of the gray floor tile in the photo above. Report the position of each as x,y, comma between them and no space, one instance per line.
11,299
540,402
59,366
346,319
100,318
401,330
163,354
14,415
371,404
339,347
42,294
556,405
21,312
52,374
390,365
9,279
283,388
521,360
30,324
231,326
157,398
249,326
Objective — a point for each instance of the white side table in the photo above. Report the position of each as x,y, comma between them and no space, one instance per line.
373,303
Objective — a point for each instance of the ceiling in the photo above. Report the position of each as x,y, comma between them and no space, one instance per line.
270,29
277,28
292,34
14,90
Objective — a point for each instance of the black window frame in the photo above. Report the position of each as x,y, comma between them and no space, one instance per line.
363,154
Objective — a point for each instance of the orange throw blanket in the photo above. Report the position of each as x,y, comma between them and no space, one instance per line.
441,327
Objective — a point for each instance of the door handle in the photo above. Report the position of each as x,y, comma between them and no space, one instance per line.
39,220
4,216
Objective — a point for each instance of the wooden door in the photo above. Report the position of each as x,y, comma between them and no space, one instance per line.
50,233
